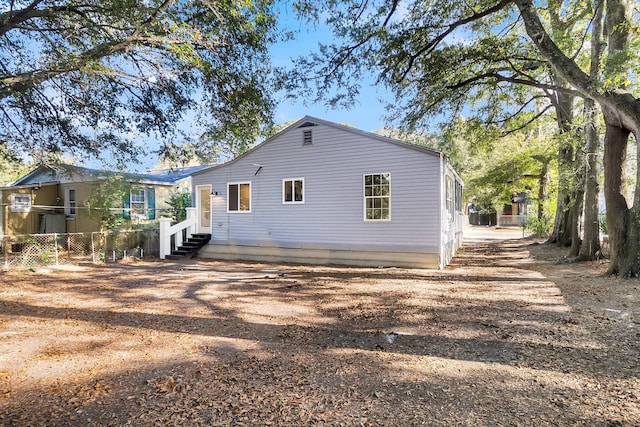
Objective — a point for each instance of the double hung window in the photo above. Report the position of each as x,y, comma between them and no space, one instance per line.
139,204
377,197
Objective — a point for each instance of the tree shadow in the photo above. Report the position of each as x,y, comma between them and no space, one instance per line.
396,336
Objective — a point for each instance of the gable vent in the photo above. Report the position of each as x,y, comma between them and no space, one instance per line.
307,138
307,125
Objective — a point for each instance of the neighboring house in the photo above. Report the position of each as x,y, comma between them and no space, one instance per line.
320,192
55,201
514,213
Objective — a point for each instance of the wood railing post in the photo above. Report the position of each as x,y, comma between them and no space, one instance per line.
191,219
165,237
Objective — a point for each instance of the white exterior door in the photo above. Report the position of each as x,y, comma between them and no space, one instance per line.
203,205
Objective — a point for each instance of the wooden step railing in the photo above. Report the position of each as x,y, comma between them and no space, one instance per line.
179,231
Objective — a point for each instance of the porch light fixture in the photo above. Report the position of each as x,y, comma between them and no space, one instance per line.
214,193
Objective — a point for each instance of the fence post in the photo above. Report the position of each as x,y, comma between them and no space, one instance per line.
104,246
55,247
5,250
93,250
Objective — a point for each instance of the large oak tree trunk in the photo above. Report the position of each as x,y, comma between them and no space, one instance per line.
543,188
590,247
615,153
576,213
621,111
631,263
591,241
561,234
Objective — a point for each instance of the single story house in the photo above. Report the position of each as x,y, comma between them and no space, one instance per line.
515,212
48,200
321,192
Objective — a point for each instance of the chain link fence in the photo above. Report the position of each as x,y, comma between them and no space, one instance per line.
42,250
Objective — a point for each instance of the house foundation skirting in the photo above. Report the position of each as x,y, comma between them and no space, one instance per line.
322,256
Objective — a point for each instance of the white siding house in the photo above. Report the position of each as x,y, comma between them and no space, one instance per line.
320,192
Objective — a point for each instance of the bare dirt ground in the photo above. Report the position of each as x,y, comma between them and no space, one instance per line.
509,334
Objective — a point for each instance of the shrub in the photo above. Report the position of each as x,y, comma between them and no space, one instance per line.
539,227
602,219
179,201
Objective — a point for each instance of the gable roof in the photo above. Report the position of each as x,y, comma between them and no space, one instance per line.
309,121
159,177
173,175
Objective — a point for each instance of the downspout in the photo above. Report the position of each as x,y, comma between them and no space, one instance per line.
440,213
2,213
35,226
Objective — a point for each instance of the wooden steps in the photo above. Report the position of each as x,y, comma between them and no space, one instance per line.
190,247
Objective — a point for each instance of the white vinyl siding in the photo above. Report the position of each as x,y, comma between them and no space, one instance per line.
293,191
333,214
377,197
239,197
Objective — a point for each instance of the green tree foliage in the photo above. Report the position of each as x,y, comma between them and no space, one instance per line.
496,167
440,57
106,197
11,167
501,59
493,166
179,201
101,77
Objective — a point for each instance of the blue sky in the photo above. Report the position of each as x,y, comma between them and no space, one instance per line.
368,111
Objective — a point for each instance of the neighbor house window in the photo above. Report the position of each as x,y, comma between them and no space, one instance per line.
377,195
239,199
20,202
139,204
70,203
293,190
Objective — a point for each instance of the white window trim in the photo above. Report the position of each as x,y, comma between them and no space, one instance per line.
67,204
293,202
200,201
449,197
364,198
145,209
21,202
250,197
